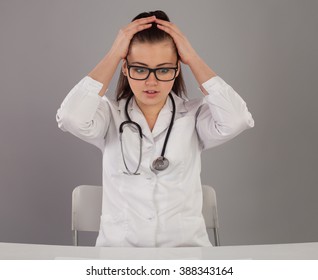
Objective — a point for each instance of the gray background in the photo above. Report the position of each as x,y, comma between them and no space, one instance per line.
265,179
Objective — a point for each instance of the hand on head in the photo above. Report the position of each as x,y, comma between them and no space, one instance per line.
122,42
185,50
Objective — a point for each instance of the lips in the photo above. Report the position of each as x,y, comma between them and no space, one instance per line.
151,91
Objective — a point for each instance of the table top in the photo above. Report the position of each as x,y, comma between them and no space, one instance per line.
11,251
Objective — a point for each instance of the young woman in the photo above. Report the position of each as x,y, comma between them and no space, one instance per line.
151,137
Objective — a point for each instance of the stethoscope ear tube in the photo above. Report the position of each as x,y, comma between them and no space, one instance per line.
121,127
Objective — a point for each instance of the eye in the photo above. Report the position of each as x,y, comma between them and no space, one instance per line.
164,70
139,70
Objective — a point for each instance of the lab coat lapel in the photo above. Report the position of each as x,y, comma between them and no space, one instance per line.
165,114
136,115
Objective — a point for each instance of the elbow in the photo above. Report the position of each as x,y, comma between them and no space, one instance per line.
241,123
246,121
66,122
238,125
61,120
91,129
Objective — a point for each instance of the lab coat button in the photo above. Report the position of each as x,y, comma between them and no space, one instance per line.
151,216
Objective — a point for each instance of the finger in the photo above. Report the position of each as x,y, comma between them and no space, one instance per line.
142,27
166,23
140,24
135,29
168,30
163,22
166,26
132,30
144,20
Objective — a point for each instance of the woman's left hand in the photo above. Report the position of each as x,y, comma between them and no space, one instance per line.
185,50
188,55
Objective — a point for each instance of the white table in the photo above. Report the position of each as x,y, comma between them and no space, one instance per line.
11,251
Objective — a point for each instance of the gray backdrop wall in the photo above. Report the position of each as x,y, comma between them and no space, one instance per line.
265,179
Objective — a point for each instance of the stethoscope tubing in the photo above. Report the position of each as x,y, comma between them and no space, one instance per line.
170,126
161,158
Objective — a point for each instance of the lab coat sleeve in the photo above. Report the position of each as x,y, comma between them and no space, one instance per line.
84,113
223,115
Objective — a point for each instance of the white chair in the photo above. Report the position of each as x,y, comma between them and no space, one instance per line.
210,212
87,208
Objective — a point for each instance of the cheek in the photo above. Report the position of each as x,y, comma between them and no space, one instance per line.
134,85
167,87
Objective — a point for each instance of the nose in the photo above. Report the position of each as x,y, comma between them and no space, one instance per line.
152,80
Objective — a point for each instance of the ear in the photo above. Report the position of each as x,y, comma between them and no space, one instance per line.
124,68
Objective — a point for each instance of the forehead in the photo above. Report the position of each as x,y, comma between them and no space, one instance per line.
153,54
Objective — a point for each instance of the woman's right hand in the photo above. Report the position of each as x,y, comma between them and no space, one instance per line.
122,41
105,69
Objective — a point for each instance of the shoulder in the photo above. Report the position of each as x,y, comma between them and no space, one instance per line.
189,106
194,104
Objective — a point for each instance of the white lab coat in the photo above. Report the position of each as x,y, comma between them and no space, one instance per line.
154,209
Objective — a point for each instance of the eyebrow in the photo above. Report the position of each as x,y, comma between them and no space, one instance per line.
146,65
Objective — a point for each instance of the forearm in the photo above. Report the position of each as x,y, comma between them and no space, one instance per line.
105,70
201,71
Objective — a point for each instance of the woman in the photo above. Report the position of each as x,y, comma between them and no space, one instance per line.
152,193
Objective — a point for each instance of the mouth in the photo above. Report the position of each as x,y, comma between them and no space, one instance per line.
151,91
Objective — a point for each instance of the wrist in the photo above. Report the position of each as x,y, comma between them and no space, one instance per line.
114,55
194,59
201,70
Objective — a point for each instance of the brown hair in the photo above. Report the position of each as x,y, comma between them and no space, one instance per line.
150,35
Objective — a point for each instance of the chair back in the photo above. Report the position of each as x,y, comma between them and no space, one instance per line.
87,208
210,212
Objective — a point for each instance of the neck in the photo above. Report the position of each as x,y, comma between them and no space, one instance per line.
150,113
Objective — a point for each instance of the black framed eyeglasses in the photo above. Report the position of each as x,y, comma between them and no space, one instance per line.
164,74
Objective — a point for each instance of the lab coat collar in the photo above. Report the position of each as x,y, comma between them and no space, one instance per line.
164,117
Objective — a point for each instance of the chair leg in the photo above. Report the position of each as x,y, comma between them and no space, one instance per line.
75,238
216,237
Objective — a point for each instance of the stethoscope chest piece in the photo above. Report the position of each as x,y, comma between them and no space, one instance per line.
161,163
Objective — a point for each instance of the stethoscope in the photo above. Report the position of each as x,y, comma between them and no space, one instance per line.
160,163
